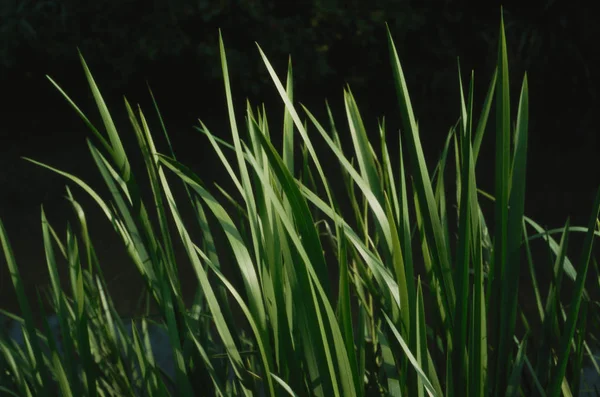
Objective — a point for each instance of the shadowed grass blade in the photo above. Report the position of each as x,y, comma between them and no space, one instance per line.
573,313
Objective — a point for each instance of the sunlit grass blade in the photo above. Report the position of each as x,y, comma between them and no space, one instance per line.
364,152
432,225
426,383
298,123
307,231
288,123
499,298
118,152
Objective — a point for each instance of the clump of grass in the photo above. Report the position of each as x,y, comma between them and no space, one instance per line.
371,334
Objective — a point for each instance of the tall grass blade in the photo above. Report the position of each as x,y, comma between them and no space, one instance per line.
432,225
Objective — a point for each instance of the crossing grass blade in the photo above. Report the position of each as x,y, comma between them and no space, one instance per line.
573,312
432,225
41,375
288,244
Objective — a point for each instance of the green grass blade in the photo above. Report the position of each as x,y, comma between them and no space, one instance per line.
238,247
288,124
514,381
262,343
118,152
515,230
422,183
499,276
311,241
482,124
426,382
42,377
573,313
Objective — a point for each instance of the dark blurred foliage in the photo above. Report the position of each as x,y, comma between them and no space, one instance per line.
173,45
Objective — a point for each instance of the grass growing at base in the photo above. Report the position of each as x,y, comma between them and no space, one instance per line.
421,307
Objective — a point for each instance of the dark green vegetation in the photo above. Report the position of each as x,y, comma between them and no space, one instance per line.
269,320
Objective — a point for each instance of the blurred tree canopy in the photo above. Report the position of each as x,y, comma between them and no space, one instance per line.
332,42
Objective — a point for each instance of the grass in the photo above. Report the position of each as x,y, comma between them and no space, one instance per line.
417,306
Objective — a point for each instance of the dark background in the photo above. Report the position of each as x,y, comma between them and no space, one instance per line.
173,46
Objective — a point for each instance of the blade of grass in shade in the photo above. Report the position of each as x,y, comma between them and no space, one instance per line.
217,382
16,365
426,383
344,308
208,241
157,181
498,271
463,251
483,118
573,313
401,280
293,354
60,299
9,392
146,144
514,382
308,233
211,299
181,375
579,340
42,379
249,275
116,185
117,223
548,317
118,346
422,185
149,378
434,283
83,330
510,270
389,366
532,274
423,356
259,337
